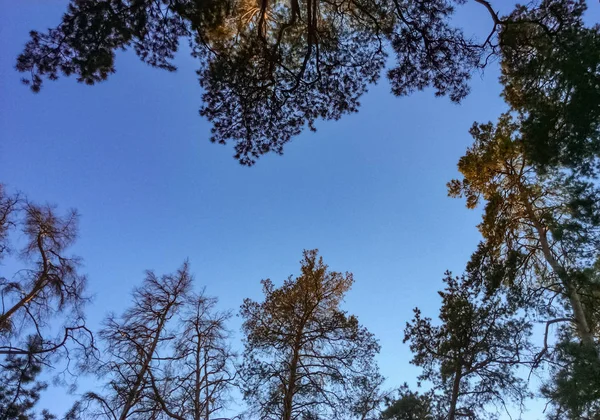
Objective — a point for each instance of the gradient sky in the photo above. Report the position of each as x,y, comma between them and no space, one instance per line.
133,156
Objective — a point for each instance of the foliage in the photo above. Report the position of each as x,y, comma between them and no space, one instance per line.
19,388
551,72
268,68
537,171
574,388
542,228
409,405
283,67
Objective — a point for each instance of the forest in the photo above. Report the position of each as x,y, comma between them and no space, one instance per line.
518,326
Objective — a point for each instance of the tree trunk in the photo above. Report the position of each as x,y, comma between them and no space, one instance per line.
37,288
581,323
207,383
291,388
455,392
197,376
131,395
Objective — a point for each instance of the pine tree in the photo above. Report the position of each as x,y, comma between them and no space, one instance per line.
471,357
304,357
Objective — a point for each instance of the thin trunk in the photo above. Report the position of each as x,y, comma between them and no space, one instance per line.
198,378
38,286
129,403
581,322
206,379
455,392
291,388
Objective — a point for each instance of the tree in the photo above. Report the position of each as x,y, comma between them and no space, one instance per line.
41,318
368,397
470,358
50,285
199,372
270,68
541,231
537,169
8,209
304,358
134,343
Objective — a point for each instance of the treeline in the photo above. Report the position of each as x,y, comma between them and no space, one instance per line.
527,303
168,355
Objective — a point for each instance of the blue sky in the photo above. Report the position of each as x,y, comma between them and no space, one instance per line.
133,156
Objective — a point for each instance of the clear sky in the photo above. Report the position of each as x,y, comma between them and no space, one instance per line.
133,156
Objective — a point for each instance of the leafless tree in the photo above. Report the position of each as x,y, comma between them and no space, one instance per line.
196,382
135,343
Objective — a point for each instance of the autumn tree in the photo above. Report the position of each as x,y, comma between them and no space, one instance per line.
471,356
304,357
195,381
133,348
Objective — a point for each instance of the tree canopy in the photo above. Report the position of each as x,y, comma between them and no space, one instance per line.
270,68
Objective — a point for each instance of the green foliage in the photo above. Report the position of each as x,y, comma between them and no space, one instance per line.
268,68
471,357
537,226
551,76
574,388
409,405
19,388
536,171
430,51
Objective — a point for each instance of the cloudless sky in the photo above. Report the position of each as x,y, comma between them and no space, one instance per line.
133,156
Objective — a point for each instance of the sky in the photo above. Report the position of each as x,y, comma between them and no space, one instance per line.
132,155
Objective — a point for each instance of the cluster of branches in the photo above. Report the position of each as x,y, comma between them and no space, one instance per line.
269,68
